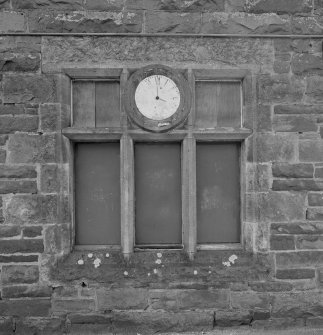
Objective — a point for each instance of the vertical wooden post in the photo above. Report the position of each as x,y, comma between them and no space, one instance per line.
189,195
127,195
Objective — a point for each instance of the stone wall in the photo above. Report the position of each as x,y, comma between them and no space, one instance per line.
277,282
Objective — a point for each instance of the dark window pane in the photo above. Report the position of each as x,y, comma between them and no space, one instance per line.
218,193
158,193
218,104
97,193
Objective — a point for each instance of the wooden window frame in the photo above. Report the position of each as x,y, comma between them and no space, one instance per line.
188,138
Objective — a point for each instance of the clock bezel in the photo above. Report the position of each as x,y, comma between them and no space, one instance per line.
172,121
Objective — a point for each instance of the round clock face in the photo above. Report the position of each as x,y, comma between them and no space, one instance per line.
157,97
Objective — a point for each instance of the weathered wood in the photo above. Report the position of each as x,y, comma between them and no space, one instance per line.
83,104
218,193
127,195
107,104
158,193
218,104
225,74
97,193
189,194
92,73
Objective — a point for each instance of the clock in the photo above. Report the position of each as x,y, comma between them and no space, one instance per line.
157,98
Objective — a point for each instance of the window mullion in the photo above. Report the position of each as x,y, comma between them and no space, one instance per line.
127,194
189,195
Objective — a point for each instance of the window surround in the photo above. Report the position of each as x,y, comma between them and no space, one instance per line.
188,139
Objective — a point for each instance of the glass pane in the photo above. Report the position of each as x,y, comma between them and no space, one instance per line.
218,192
158,194
97,193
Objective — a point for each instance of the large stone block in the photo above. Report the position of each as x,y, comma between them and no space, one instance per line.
3,155
45,325
315,214
172,22
72,305
299,259
18,186
59,52
282,242
28,88
12,22
53,178
177,5
294,123
109,6
53,117
57,238
309,242
250,300
11,124
85,22
32,231
11,109
30,307
314,89
280,88
17,171
19,274
22,209
19,62
281,206
311,151
122,299
43,4
315,199
20,44
277,6
270,286
21,246
295,274
173,300
25,148
297,304
3,139
242,23
274,147
297,185
298,109
306,25
306,63
283,170
264,118
9,231
258,177
19,259
306,227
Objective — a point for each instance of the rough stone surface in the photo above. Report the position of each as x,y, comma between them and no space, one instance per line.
281,7
297,185
299,259
30,307
314,89
315,199
282,242
9,231
311,151
73,305
9,124
42,4
85,22
53,178
298,109
18,186
295,274
25,148
282,170
18,171
29,88
12,22
70,51
19,274
19,259
21,209
32,231
297,228
279,148
21,246
286,123
306,63
315,214
310,242
22,62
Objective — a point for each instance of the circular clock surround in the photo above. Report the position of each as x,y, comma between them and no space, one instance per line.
157,98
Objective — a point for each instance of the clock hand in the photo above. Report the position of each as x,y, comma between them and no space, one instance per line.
162,100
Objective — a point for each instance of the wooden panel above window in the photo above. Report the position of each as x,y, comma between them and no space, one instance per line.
96,104
218,104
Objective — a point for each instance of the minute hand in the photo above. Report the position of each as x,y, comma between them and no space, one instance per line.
162,100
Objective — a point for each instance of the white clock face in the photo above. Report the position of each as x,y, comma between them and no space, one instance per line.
157,97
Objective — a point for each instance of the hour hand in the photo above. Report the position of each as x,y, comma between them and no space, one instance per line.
162,100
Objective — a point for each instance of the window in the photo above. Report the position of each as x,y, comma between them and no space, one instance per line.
177,189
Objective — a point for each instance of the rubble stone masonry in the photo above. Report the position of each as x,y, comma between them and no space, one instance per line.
277,279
